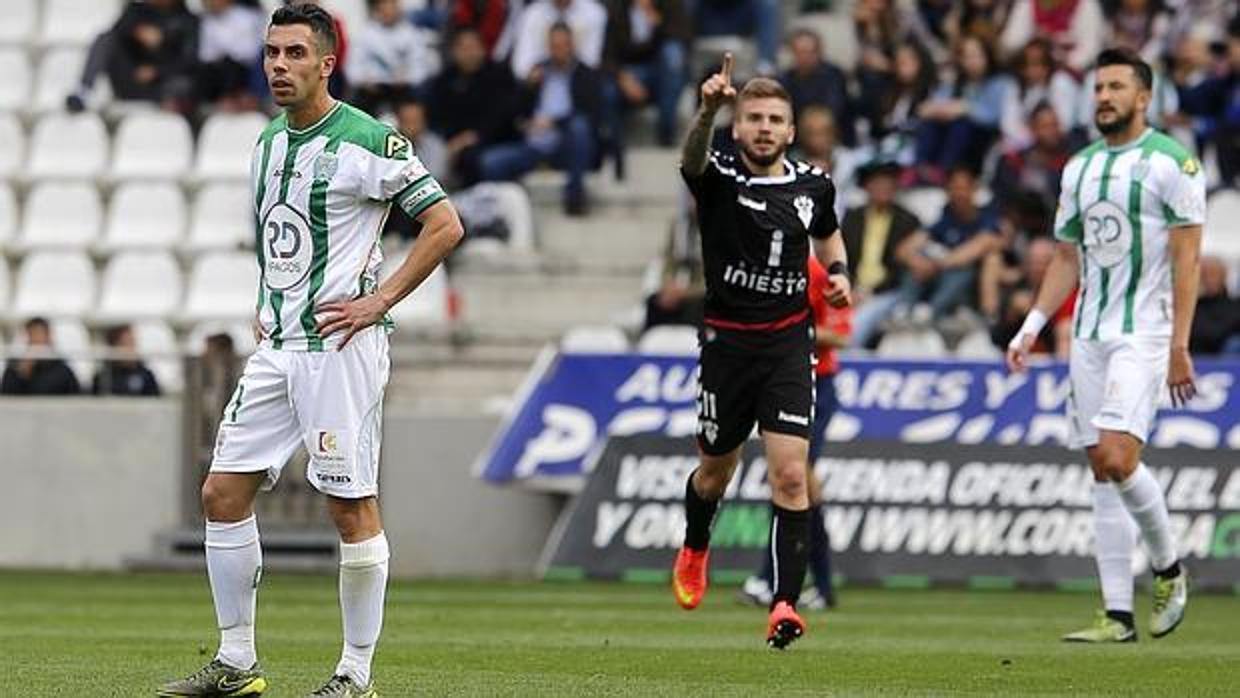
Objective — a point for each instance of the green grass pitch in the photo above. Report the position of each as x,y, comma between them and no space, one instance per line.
100,635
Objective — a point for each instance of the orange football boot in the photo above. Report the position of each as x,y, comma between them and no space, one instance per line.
784,626
689,577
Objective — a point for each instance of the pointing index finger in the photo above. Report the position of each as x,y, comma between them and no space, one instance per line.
726,70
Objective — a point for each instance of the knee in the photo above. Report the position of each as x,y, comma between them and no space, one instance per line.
1110,463
711,482
219,503
788,480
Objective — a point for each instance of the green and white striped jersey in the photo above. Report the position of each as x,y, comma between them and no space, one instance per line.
1121,205
321,195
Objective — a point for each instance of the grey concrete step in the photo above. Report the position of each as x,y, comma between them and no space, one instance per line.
543,305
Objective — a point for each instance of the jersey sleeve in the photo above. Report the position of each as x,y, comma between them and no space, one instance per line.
400,177
827,223
1184,195
712,179
1067,218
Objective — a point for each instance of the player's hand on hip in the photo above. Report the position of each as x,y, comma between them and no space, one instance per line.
1180,378
718,90
350,317
1018,352
838,291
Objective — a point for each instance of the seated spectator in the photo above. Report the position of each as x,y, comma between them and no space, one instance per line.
390,57
1215,105
812,80
229,53
961,118
1140,25
757,19
946,271
1216,325
126,375
1038,81
1015,289
585,19
431,150
561,108
898,98
148,55
1076,28
882,238
816,144
472,104
929,23
646,47
1029,178
879,33
39,372
488,18
682,287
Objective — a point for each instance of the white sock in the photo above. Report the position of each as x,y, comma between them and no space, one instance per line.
363,581
1115,537
1143,497
234,565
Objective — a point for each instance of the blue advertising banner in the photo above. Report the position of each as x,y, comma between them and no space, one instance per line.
572,402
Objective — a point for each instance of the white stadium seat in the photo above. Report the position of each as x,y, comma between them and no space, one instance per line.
76,22
6,289
157,345
15,88
912,344
226,144
977,345
427,306
8,215
924,202
145,215
68,145
139,285
595,339
1221,237
222,218
13,150
352,12
54,284
60,72
669,340
222,286
61,214
152,144
18,21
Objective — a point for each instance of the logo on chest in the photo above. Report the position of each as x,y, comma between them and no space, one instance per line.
805,209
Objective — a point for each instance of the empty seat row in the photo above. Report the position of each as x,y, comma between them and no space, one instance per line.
56,22
149,144
140,215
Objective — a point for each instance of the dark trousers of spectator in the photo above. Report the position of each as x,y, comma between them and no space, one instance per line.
825,405
664,78
946,144
1227,147
222,78
688,312
756,18
944,293
570,148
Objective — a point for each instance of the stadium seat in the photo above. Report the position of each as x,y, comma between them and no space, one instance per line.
18,21
1221,237
924,202
6,290
977,345
222,218
427,306
15,88
912,344
669,340
222,286
54,284
595,339
226,144
144,215
60,71
157,344
352,12
152,144
139,285
14,139
68,145
76,22
8,215
61,214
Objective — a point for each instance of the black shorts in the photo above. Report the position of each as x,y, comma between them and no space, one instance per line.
737,387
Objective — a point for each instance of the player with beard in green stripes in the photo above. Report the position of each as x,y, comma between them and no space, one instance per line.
1128,232
325,175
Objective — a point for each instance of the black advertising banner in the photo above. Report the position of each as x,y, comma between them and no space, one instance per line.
898,514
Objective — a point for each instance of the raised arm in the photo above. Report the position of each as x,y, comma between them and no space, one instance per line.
716,91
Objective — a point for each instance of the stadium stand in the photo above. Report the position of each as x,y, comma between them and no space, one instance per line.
669,340
144,215
1220,238
157,345
65,215
125,289
14,150
68,146
8,215
57,284
225,146
221,218
15,89
18,21
594,339
57,75
75,22
221,287
152,145
427,306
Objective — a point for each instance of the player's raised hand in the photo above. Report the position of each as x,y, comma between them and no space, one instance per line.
350,317
1018,352
718,90
1180,377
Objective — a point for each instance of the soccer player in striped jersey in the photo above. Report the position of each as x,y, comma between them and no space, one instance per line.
1128,232
325,175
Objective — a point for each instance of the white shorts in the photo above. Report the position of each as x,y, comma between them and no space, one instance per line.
1116,386
331,402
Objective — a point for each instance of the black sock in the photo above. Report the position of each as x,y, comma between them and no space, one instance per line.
1124,617
1170,573
820,553
790,546
699,514
768,565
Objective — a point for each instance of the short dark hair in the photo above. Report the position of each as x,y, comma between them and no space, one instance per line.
112,336
1130,58
37,322
320,22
